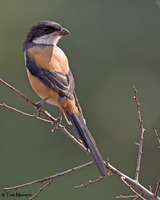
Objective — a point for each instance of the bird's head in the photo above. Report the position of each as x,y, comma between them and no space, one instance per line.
45,33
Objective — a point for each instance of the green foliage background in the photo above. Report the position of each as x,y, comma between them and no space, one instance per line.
113,45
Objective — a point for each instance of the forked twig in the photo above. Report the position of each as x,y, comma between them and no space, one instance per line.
137,197
130,187
50,177
41,189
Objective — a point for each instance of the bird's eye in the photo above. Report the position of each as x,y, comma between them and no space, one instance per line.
45,28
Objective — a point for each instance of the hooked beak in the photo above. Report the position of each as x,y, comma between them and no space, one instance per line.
63,32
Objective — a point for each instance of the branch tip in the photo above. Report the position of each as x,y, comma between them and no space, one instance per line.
141,136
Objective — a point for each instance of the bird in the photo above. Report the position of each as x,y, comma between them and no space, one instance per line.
51,78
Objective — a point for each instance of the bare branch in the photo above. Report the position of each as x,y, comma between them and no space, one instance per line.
141,136
158,138
51,177
126,179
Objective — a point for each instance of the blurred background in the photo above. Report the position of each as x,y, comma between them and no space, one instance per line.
117,45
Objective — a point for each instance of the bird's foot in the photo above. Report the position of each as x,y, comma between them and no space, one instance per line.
57,122
38,106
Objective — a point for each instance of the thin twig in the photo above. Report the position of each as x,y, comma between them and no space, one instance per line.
26,114
126,197
141,136
137,197
91,182
41,189
157,189
17,91
130,187
158,137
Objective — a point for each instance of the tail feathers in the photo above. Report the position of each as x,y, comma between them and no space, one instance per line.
85,136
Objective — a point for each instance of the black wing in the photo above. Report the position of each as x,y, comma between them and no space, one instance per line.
57,81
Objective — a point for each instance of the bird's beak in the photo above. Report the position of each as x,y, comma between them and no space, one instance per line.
63,32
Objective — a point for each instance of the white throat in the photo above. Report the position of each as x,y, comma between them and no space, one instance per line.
50,39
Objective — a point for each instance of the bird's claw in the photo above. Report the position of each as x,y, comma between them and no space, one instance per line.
38,106
57,123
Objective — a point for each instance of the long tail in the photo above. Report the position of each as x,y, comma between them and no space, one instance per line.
85,136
